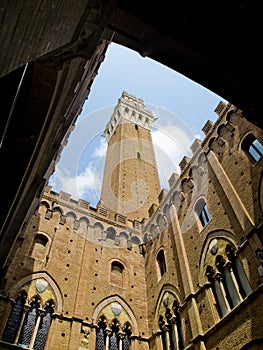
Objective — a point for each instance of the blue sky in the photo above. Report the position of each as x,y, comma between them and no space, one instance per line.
181,106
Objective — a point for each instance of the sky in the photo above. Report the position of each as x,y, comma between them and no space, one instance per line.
180,105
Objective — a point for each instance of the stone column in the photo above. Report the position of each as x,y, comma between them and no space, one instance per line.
108,333
167,337
221,293
234,284
121,336
175,335
40,312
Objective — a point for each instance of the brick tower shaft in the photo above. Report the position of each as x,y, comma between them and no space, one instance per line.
130,182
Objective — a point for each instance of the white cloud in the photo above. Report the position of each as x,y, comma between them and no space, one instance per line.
101,150
85,185
171,138
171,145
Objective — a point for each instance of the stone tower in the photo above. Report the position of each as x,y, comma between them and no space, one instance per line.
131,183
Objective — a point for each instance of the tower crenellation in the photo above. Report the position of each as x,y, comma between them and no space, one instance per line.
131,109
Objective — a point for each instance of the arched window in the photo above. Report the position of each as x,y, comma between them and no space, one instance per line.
14,320
111,233
161,262
28,324
252,147
228,280
170,326
136,240
116,337
39,246
202,213
117,273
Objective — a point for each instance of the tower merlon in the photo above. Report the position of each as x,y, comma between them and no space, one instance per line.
131,109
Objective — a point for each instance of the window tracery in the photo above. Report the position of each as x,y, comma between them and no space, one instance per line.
112,336
30,318
227,277
170,325
28,323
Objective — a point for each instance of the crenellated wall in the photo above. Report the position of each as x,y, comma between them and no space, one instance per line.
185,275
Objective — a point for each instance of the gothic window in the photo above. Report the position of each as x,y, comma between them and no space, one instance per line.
113,337
170,326
117,273
161,262
14,320
202,213
252,147
228,280
28,324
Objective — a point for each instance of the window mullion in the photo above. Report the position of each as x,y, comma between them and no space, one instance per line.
40,314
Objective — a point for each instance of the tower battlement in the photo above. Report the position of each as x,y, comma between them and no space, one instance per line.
133,110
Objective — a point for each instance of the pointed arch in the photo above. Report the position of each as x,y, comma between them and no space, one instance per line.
167,288
38,275
224,272
167,317
212,235
30,318
116,299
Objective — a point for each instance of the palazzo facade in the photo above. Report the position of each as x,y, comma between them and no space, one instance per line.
148,268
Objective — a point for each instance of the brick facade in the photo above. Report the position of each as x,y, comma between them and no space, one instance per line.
184,275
